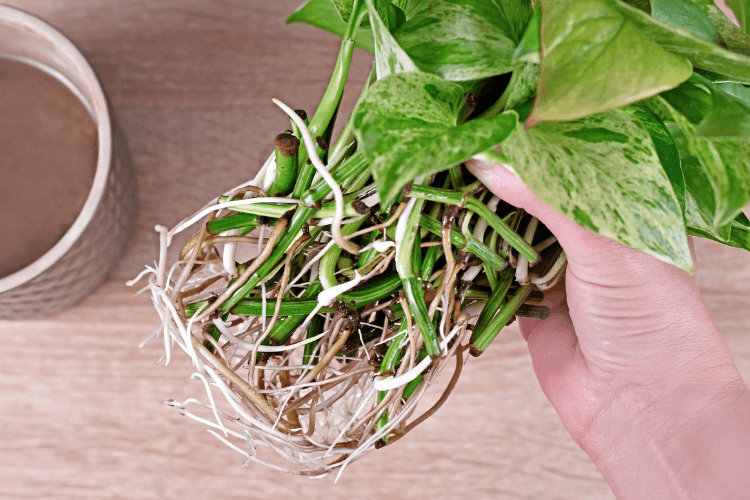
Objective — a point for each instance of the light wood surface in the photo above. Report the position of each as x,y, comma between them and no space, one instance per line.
80,418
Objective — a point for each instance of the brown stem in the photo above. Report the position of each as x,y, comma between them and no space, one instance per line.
280,286
258,400
451,296
257,262
292,415
440,402
382,225
299,402
198,289
211,340
328,357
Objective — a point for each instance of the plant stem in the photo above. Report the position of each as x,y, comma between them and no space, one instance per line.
405,239
460,200
494,302
499,105
499,321
331,99
287,148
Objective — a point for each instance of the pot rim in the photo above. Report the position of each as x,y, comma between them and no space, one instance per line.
92,98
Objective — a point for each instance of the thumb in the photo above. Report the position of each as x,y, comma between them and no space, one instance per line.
582,246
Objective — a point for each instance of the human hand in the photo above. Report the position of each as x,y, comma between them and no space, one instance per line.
634,365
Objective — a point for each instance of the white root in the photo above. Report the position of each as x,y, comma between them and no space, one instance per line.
522,268
389,383
226,204
553,275
323,171
306,413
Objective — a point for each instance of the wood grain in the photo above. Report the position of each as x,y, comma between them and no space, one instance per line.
80,417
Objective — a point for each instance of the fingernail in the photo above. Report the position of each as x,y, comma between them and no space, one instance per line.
479,164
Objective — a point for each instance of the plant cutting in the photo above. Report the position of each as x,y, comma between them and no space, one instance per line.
319,301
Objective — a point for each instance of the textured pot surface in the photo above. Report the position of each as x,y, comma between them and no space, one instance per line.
89,250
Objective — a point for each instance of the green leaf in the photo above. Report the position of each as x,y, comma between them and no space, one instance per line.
692,101
391,14
344,8
516,14
524,86
528,47
594,59
412,6
464,39
699,196
407,125
741,9
698,224
718,135
736,40
389,56
666,150
722,144
700,52
739,91
644,5
604,173
322,14
740,237
686,15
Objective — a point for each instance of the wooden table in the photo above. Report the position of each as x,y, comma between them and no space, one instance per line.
80,418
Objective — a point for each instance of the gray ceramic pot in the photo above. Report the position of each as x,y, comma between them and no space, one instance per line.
86,254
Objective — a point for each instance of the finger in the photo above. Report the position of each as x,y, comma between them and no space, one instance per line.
590,255
559,366
556,355
552,341
508,186
554,299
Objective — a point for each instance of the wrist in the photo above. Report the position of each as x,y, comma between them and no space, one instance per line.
692,442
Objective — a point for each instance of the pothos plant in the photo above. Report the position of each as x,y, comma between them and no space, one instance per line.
376,260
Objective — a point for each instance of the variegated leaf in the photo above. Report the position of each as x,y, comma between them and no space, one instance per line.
604,173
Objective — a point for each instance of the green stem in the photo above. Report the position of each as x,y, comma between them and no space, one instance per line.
430,258
331,257
500,320
287,147
388,364
347,134
368,257
254,307
412,386
465,242
352,167
499,105
331,99
284,327
276,210
495,222
435,227
315,327
478,248
449,197
493,303
295,130
289,236
456,175
490,271
235,221
412,284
